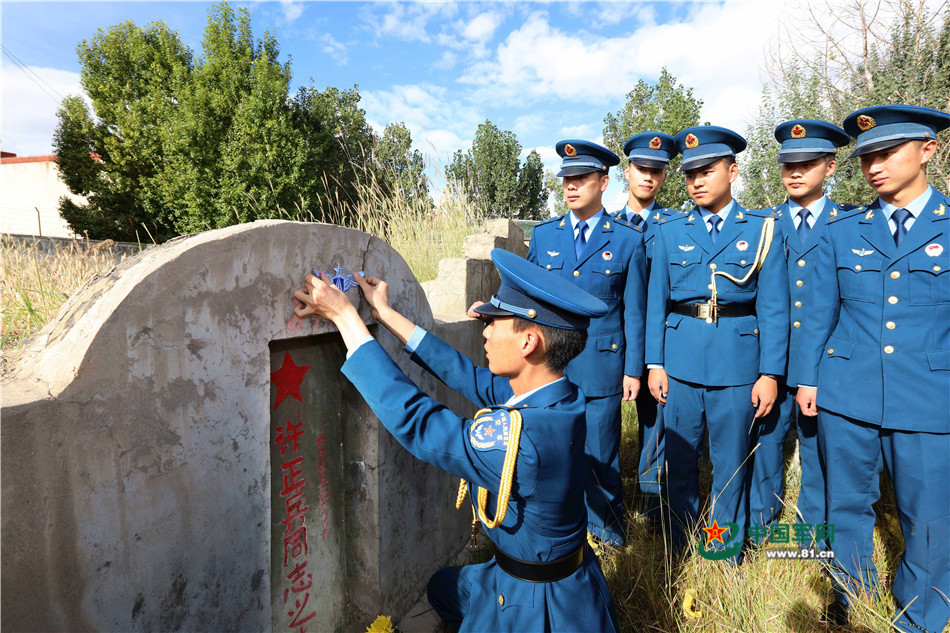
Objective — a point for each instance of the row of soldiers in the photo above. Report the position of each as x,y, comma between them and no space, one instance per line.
716,319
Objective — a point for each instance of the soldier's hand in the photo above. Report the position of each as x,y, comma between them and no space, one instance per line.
376,292
764,395
807,399
659,384
631,387
471,310
321,299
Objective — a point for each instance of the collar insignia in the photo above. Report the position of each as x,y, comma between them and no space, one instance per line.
570,151
798,131
691,141
833,213
869,214
690,218
553,253
865,122
656,143
606,225
940,211
861,253
562,223
739,215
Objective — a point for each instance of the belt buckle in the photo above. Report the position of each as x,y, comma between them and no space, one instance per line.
708,311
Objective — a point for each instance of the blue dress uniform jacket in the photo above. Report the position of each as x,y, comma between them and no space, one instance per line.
878,338
612,267
893,332
736,351
546,517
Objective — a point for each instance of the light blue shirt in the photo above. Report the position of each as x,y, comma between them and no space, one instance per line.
723,214
916,207
591,222
815,207
645,214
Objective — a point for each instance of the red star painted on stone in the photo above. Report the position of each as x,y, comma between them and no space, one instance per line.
715,533
288,379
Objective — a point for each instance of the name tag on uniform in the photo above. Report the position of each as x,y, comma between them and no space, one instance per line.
489,432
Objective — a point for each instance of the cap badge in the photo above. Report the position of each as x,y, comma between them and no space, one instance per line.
570,151
934,250
607,255
798,131
691,141
656,143
742,245
865,122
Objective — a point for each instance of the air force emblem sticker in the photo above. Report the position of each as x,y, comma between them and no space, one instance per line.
489,432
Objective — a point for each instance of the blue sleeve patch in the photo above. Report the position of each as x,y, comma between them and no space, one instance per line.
489,432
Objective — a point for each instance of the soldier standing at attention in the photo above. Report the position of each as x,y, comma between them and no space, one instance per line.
807,157
717,331
878,344
607,259
648,157
523,452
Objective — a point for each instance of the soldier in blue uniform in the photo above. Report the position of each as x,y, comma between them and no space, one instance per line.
877,346
608,260
807,157
648,157
523,452
717,330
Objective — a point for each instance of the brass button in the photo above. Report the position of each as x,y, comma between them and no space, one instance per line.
614,346
549,265
888,349
684,262
797,324
890,325
895,275
892,300
532,314
577,273
936,268
801,262
607,272
712,267
755,331
501,600
799,283
831,351
857,266
798,304
742,262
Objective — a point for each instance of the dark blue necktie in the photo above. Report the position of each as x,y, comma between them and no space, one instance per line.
900,216
581,240
714,227
803,227
637,219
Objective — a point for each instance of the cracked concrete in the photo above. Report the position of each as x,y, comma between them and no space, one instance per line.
136,475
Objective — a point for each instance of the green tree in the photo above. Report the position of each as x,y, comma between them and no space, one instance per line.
177,143
665,106
493,177
400,167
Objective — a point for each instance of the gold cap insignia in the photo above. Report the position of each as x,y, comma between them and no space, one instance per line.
865,122
798,131
569,150
656,143
691,141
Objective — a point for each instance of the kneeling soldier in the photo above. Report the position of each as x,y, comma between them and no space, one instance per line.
523,453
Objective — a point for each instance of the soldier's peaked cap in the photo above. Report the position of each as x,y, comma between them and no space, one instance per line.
884,126
537,295
806,139
650,149
582,157
705,144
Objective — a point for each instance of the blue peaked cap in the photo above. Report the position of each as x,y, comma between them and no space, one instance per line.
650,149
582,157
884,126
705,144
535,294
807,139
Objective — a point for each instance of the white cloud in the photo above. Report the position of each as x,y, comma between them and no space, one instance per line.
292,10
408,21
335,48
446,62
30,100
482,27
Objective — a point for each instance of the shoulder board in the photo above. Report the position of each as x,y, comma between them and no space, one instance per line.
549,221
638,228
490,430
835,214
767,212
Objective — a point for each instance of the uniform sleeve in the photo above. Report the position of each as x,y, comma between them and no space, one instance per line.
822,302
772,308
460,374
532,247
658,298
634,309
425,427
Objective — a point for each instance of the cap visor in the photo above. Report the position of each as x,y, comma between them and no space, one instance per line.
701,161
801,157
649,164
576,171
876,146
492,310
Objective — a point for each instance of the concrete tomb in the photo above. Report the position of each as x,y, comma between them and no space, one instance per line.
181,453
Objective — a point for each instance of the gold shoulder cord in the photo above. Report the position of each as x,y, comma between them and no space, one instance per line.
507,474
765,243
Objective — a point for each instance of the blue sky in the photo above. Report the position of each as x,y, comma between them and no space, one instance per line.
544,70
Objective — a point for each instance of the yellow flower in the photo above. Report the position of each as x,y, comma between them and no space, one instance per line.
382,624
690,608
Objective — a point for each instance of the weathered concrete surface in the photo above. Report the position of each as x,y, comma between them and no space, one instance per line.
135,445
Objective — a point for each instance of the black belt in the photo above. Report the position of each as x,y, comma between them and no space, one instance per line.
701,310
540,572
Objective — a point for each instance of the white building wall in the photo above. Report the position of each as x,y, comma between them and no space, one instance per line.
30,188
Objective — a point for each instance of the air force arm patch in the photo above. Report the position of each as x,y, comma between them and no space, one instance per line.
489,432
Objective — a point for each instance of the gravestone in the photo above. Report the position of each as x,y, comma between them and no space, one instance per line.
181,453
